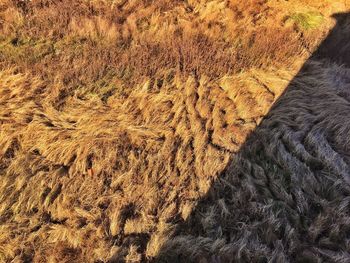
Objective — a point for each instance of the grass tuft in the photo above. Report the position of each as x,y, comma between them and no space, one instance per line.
307,21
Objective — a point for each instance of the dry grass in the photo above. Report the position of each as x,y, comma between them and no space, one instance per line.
117,116
284,197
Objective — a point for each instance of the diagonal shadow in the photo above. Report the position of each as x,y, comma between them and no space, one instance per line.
285,196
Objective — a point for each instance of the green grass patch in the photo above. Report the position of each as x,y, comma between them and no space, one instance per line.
19,50
308,20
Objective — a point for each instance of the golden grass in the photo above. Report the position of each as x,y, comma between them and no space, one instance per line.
116,116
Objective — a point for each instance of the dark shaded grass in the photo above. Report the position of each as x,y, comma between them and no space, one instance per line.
285,195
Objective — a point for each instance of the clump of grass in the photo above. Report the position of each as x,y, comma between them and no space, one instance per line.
308,20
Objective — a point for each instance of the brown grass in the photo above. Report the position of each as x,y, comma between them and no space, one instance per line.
116,116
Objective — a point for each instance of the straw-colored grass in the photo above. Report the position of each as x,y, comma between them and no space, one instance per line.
117,116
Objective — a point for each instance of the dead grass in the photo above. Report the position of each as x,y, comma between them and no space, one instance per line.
117,116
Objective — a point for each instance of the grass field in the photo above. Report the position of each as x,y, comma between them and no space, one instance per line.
116,117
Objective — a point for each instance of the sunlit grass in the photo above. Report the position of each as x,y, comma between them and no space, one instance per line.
116,116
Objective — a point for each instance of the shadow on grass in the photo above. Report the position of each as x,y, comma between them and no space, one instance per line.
285,196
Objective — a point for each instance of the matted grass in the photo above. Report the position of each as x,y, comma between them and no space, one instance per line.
117,116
